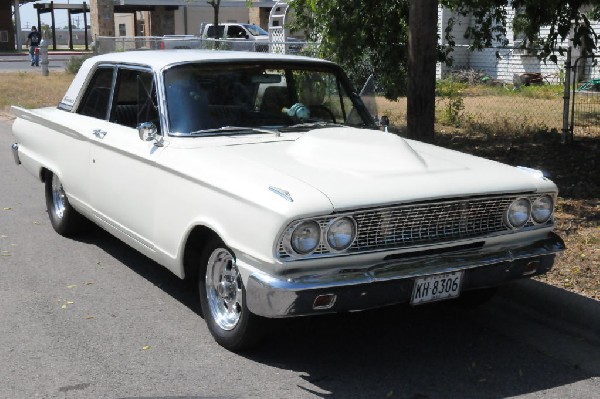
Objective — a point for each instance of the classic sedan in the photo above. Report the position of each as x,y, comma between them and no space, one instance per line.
264,178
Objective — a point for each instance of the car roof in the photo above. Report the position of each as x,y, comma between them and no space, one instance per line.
159,59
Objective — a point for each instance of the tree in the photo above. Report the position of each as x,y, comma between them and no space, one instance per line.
422,57
216,4
362,37
355,33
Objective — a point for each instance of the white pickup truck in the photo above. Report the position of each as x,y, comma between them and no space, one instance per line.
246,37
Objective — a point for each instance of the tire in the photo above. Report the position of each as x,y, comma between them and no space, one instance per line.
223,300
65,220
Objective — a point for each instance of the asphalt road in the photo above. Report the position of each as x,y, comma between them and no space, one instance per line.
92,318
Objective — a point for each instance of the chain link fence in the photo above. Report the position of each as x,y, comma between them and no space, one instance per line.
496,90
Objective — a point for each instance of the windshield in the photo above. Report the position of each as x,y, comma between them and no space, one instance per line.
256,30
261,96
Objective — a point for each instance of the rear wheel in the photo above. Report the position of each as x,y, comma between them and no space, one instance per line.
65,220
223,299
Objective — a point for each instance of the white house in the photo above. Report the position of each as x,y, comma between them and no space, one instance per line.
498,62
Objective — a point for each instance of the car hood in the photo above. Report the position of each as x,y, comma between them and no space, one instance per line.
360,168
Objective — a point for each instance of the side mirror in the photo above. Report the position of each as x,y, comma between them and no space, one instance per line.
384,122
149,132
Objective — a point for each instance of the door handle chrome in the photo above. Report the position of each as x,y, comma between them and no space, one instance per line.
99,133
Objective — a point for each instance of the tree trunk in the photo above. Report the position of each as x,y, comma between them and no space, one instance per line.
216,5
422,58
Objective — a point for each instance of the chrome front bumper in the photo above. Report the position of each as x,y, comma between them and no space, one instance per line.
15,151
391,281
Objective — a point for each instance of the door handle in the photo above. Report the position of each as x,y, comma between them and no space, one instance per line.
99,133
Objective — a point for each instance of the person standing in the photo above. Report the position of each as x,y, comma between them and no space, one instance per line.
33,41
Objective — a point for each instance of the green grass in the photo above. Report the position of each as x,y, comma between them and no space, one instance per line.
546,92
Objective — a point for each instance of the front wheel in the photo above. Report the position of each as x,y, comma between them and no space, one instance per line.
65,220
223,299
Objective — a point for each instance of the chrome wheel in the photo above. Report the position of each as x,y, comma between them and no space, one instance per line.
58,198
224,289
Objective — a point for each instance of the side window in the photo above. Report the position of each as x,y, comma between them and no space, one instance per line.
135,99
320,92
97,95
236,32
212,32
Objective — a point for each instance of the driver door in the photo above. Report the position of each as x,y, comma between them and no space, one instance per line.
122,171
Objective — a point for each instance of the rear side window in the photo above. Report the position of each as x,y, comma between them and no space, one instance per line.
212,33
97,96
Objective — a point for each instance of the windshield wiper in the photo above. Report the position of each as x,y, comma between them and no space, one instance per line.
309,126
233,129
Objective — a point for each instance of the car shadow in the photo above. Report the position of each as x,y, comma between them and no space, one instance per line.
183,291
432,351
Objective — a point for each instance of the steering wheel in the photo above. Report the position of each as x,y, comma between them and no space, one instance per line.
321,112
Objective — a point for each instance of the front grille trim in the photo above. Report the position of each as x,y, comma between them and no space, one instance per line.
417,224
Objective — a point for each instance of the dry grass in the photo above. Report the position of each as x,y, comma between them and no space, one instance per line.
31,89
490,110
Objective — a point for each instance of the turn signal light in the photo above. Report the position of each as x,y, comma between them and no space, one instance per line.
324,301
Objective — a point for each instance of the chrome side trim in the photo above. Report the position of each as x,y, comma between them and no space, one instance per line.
15,151
282,193
274,296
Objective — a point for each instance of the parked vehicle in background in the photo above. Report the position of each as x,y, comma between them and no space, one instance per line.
181,42
244,37
265,179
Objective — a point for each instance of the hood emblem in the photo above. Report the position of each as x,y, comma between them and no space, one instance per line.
282,193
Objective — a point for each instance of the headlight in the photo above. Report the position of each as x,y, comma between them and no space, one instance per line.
341,233
518,213
306,237
541,210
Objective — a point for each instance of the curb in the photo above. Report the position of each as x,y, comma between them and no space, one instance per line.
555,303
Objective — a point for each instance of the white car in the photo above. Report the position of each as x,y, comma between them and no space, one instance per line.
264,178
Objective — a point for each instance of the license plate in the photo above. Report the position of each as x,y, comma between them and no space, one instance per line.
436,288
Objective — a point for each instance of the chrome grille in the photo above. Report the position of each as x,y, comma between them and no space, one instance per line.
409,225
428,223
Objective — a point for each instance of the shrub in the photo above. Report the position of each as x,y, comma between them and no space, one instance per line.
74,63
451,92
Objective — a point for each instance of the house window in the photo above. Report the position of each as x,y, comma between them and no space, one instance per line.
3,36
122,30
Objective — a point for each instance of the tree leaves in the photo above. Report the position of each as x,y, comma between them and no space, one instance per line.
365,39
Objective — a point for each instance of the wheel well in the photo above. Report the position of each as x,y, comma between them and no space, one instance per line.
43,174
197,240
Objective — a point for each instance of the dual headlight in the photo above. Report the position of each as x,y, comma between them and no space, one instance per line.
337,235
521,210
